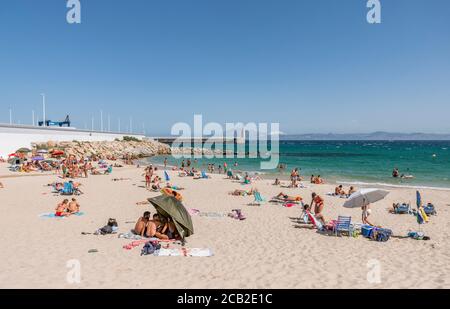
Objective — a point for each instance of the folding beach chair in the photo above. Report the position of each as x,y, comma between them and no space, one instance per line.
258,198
343,224
402,209
68,189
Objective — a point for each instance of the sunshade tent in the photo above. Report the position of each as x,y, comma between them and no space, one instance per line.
170,207
42,151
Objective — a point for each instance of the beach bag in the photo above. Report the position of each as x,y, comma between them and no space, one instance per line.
429,209
150,248
107,229
379,234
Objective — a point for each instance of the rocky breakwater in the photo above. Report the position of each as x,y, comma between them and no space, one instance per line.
118,149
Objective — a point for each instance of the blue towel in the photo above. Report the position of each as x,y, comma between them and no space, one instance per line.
49,215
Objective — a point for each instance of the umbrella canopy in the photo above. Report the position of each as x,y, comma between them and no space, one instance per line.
418,199
420,214
23,150
166,176
42,151
37,158
170,207
364,197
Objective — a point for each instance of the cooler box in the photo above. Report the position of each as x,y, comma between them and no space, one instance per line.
365,230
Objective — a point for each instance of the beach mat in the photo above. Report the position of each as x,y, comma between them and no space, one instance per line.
50,215
192,252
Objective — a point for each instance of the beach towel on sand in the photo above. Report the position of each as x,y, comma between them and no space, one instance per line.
194,252
50,215
214,215
144,241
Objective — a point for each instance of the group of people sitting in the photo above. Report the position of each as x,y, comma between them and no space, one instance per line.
317,180
162,228
339,191
59,187
66,208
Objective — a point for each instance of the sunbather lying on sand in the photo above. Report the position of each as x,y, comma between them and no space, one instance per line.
238,192
288,198
168,185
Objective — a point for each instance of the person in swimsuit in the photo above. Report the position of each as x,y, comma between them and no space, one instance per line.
351,191
160,227
144,226
318,204
339,191
286,197
148,177
1,186
61,209
366,211
169,229
73,206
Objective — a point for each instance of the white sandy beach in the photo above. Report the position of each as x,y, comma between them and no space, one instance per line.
267,250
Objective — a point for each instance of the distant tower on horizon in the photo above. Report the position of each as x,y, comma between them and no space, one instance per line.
240,138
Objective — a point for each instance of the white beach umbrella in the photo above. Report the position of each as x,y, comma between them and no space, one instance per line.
364,197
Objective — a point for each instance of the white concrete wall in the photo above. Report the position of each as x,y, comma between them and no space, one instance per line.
14,137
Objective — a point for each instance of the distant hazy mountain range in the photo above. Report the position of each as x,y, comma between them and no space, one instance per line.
383,136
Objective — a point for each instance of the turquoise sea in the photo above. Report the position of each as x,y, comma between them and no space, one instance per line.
358,162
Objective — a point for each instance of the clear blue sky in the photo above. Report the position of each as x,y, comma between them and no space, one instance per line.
315,66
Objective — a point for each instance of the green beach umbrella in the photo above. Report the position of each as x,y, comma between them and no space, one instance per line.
170,207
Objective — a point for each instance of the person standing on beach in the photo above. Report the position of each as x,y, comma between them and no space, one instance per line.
366,211
85,169
225,167
318,204
165,163
294,177
148,177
